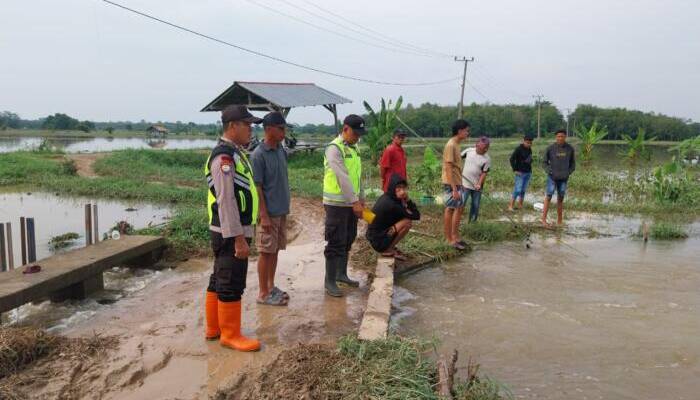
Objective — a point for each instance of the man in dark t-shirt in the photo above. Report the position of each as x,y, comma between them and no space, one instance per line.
521,162
560,163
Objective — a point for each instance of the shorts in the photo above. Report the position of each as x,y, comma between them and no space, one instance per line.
521,182
381,241
273,239
452,203
558,184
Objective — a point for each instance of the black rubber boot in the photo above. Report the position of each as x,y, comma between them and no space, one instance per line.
331,271
342,275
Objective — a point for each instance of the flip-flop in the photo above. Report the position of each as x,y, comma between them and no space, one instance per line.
459,246
280,292
32,269
400,257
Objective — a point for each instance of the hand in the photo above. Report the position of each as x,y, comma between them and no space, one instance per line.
265,222
357,208
477,187
455,194
518,173
241,249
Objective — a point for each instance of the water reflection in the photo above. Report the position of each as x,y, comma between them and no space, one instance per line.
91,145
54,215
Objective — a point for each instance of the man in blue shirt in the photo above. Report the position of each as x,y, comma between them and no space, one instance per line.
270,175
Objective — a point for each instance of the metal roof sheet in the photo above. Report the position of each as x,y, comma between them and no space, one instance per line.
264,95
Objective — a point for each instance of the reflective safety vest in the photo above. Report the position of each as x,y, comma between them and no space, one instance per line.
244,191
331,188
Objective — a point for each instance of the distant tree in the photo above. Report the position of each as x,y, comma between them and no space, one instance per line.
60,121
110,130
128,126
9,120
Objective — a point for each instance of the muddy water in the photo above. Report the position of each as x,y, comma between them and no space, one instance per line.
55,215
613,319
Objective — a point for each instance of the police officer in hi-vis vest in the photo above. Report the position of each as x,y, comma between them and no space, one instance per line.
343,200
232,204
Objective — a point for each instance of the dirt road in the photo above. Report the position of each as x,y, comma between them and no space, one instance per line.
162,353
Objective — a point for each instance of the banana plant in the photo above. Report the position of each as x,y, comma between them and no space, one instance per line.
381,126
637,147
589,138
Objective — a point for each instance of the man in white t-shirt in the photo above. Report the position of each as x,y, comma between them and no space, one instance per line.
476,165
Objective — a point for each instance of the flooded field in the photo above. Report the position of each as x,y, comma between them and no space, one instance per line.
55,215
95,145
590,319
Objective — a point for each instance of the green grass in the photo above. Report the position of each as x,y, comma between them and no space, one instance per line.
664,230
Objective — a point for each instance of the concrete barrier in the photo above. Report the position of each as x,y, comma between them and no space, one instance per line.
375,321
76,273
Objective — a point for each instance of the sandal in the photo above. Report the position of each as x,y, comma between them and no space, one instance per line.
273,300
279,292
459,246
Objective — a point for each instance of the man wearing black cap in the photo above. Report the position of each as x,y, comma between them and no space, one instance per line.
272,182
393,159
232,204
343,201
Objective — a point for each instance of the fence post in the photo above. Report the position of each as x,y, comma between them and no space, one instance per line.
88,224
31,241
95,229
3,260
10,250
23,239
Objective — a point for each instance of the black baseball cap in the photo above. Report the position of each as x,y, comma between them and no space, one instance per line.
400,132
274,118
238,113
355,122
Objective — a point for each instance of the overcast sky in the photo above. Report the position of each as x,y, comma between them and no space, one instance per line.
97,62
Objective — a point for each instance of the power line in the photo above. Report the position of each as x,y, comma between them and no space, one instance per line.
379,34
340,34
281,60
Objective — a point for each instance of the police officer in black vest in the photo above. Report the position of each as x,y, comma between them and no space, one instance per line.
232,204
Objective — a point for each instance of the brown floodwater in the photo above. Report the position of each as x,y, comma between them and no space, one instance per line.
591,319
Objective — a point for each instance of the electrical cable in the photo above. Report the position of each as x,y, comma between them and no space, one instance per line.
281,60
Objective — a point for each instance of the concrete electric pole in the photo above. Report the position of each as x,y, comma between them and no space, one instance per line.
466,61
539,98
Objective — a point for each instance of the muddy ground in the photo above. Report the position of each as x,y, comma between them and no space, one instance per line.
161,352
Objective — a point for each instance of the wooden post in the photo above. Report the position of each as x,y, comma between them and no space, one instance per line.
88,224
31,241
3,260
23,238
95,229
10,251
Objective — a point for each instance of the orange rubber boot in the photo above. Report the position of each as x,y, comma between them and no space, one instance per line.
212,314
230,324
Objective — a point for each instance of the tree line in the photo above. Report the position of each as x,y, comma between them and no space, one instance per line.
431,120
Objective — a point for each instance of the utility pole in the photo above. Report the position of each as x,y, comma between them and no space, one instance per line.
568,117
539,112
466,61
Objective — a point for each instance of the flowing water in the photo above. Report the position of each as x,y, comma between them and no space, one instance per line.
591,319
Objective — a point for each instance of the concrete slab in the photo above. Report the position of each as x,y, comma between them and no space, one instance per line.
375,321
74,273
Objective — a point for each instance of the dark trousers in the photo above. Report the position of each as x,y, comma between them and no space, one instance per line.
340,231
228,278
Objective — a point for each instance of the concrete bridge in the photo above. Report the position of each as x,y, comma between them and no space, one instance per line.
77,273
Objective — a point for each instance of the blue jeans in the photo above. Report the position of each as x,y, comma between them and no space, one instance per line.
476,203
522,180
558,184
